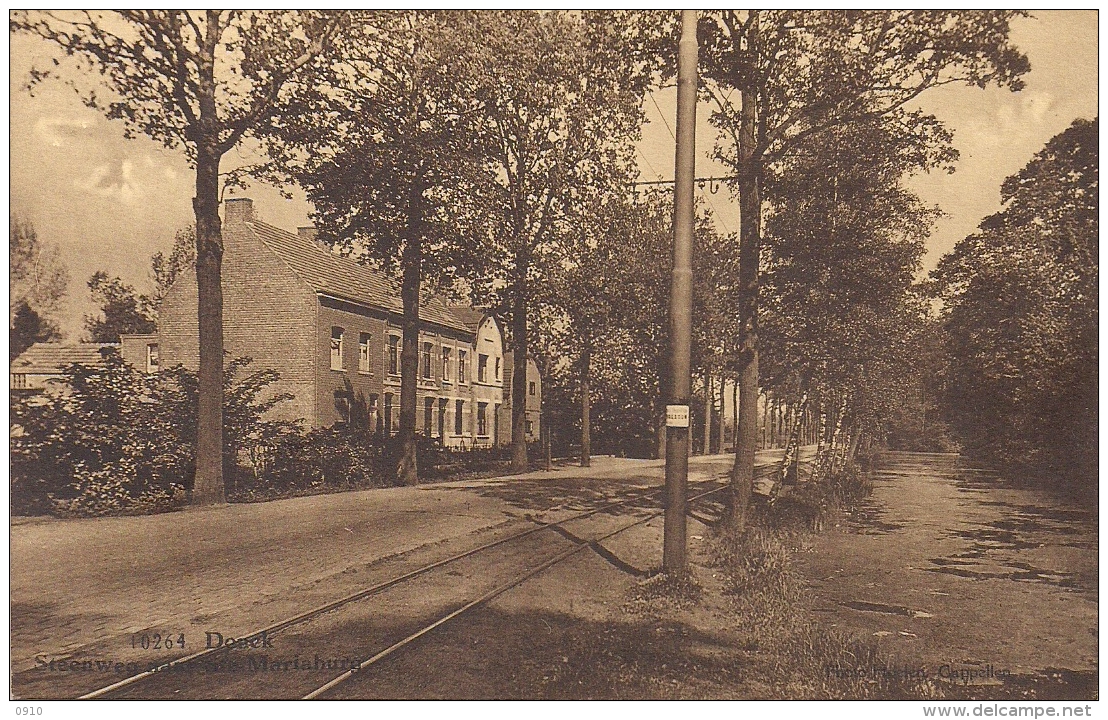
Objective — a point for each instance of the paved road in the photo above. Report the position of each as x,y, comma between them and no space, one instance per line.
948,565
79,585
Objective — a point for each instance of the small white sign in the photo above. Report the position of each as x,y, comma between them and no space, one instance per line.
677,416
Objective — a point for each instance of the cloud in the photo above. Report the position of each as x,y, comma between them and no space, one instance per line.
59,131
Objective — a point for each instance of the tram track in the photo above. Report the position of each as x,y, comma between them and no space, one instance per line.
133,685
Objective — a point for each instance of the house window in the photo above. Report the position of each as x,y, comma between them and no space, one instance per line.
442,417
372,414
482,419
531,388
428,415
388,413
528,427
394,354
19,381
363,352
462,366
458,407
446,364
426,361
342,406
336,348
482,368
498,368
152,357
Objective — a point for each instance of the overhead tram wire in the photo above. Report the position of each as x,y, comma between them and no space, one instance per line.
699,181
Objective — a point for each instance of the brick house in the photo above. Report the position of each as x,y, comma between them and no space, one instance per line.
533,404
40,367
332,328
140,351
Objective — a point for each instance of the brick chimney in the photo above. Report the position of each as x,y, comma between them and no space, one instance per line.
237,211
308,232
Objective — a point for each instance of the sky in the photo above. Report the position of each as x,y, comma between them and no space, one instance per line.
109,203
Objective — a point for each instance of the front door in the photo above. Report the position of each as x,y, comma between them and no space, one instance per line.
442,420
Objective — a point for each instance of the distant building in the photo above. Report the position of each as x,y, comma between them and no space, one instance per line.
332,328
37,368
140,351
533,405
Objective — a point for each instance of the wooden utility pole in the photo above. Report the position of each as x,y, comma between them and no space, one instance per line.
680,304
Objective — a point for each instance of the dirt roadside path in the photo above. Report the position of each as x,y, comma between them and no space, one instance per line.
954,571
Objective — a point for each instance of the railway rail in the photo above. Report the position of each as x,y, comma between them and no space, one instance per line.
579,544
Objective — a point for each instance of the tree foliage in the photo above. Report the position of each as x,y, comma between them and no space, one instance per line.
37,282
561,98
385,145
800,76
610,297
1020,313
202,81
165,269
119,440
122,310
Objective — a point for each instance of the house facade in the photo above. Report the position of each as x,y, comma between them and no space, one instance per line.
331,328
140,351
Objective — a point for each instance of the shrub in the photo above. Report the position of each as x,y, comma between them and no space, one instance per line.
115,440
288,461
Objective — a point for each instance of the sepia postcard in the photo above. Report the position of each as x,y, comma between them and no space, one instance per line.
555,355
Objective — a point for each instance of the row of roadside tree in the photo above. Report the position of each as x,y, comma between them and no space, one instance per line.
491,154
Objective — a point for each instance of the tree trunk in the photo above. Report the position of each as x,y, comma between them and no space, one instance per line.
836,438
734,413
750,232
855,437
821,435
660,433
208,486
544,431
519,366
793,442
586,437
717,445
407,469
707,413
660,400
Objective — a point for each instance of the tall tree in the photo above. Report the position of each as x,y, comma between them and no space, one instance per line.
37,281
608,304
799,74
844,239
27,328
1020,314
561,94
165,269
204,81
122,310
385,145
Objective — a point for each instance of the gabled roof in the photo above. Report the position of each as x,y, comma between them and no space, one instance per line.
471,316
52,358
348,279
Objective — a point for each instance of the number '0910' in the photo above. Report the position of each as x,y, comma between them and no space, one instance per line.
28,710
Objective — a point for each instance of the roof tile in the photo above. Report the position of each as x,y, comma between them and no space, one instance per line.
348,279
52,358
